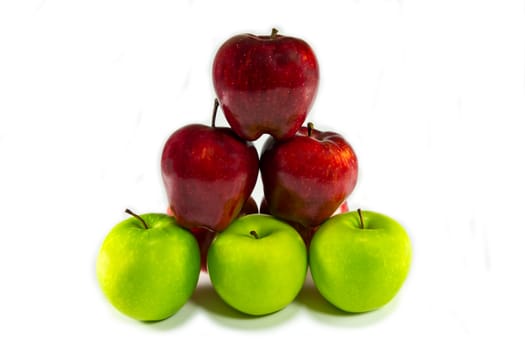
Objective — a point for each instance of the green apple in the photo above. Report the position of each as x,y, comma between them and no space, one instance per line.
359,260
148,266
258,264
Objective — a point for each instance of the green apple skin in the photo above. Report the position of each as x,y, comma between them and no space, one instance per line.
148,274
360,269
258,276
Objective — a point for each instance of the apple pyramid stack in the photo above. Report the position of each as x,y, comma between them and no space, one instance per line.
265,85
257,259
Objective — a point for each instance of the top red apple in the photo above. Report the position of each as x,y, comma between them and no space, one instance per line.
265,84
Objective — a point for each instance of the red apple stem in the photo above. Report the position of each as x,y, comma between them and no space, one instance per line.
254,234
362,223
138,217
274,33
310,127
214,113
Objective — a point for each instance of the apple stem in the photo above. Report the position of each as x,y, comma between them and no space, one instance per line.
254,234
138,217
310,126
214,113
274,33
361,219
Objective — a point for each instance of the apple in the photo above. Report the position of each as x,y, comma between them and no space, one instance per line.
148,266
209,173
359,260
205,236
258,264
307,177
265,84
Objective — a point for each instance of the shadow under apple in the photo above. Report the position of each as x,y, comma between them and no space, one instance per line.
326,313
206,298
180,318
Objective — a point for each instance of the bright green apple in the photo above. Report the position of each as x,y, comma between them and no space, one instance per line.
258,264
359,260
148,266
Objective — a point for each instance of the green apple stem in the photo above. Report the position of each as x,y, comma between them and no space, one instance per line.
214,113
138,217
310,126
254,234
362,223
274,33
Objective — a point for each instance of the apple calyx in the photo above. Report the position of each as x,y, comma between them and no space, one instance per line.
127,211
214,113
361,222
310,127
254,234
274,33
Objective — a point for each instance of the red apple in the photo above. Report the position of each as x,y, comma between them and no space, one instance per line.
265,84
209,173
307,177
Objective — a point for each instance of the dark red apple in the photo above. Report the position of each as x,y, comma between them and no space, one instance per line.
265,84
307,177
209,173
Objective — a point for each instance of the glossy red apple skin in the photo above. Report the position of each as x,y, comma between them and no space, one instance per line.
265,84
307,177
209,174
249,207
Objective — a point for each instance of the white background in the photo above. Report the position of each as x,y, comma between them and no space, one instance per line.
431,95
